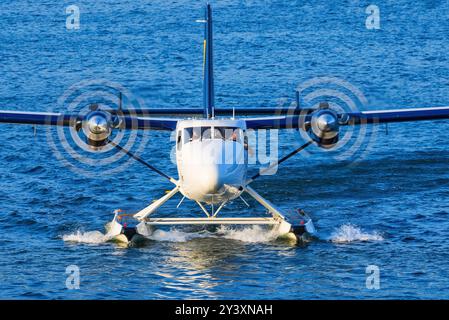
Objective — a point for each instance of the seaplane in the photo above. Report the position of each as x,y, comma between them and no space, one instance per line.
212,150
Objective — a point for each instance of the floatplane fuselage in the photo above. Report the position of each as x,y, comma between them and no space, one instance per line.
212,159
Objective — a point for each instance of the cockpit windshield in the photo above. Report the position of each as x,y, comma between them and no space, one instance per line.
207,133
228,133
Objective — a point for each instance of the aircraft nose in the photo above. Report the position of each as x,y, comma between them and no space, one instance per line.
211,179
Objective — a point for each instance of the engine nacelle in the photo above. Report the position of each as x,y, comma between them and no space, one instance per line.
324,128
97,127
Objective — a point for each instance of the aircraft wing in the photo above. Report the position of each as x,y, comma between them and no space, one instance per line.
398,115
146,123
38,118
60,119
284,118
351,118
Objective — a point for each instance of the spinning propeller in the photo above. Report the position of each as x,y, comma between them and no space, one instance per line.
97,127
322,126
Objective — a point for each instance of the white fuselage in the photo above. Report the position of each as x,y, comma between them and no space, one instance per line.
212,158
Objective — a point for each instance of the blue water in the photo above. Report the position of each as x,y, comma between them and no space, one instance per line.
385,206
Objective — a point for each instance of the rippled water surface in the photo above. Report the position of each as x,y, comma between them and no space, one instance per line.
384,205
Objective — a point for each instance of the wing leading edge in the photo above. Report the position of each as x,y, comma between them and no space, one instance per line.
60,119
352,118
399,115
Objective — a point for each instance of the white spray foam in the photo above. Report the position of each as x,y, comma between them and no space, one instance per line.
349,233
174,235
248,234
93,237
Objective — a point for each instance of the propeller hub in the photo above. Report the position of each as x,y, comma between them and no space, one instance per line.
97,127
324,128
98,124
327,122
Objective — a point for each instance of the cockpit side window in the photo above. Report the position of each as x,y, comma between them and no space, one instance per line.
188,135
178,140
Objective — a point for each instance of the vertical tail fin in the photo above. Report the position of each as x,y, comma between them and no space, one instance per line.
208,66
